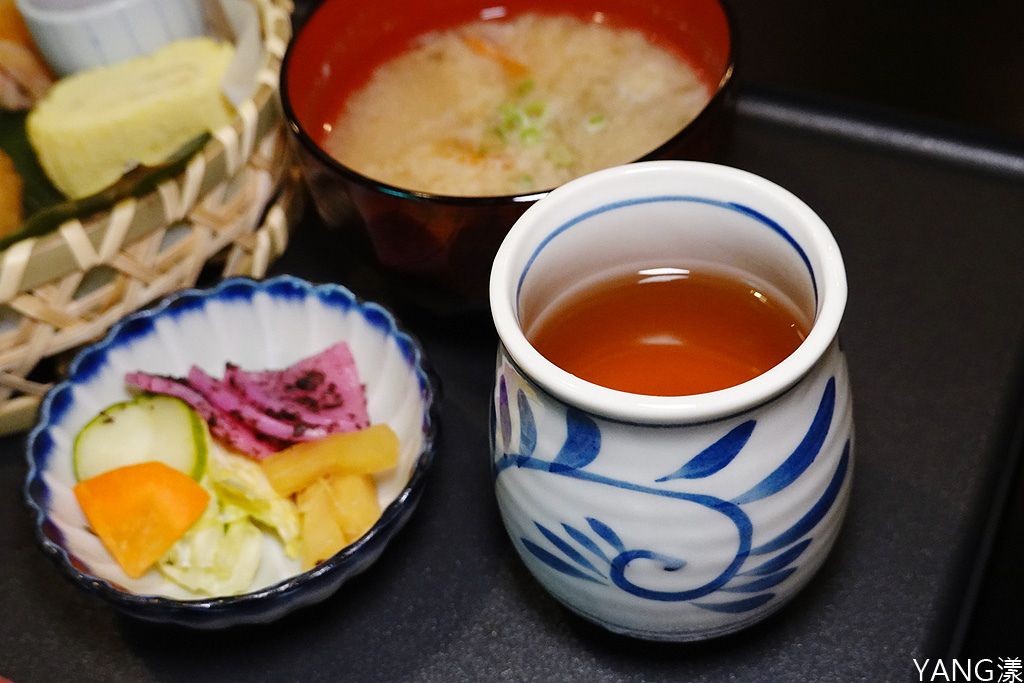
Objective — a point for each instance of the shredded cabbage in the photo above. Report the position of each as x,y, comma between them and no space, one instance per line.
240,481
221,553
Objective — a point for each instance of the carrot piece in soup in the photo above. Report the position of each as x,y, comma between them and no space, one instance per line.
139,511
512,67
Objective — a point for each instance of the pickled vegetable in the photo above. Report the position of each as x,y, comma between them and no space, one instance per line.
139,511
366,451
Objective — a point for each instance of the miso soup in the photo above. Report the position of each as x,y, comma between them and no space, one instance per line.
503,107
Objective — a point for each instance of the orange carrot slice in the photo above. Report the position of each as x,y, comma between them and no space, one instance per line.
139,511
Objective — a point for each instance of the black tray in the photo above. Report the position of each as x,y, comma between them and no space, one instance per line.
931,229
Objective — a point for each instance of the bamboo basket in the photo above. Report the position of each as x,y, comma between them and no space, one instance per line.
228,212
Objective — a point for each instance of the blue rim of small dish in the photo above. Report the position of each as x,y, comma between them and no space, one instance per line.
255,606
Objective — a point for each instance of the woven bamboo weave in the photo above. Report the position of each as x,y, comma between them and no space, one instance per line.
228,211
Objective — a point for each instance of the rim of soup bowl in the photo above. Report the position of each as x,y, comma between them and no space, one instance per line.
714,103
536,224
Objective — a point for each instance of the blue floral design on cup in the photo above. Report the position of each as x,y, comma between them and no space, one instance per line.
672,518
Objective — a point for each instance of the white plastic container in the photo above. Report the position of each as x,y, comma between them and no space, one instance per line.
74,35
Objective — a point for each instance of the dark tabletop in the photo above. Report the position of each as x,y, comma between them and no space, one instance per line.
948,60
937,70
925,196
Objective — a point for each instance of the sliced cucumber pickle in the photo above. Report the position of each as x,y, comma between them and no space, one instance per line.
149,427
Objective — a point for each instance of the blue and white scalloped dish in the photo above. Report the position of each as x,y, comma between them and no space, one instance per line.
253,324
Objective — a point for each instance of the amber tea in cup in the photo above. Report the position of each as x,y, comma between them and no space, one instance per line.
669,331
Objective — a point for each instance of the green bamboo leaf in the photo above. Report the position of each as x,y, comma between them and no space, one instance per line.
46,208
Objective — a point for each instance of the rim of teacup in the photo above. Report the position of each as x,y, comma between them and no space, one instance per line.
548,216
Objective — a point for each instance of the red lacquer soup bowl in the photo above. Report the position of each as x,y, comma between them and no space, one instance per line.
433,249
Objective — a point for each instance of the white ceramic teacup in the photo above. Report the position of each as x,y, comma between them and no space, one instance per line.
671,518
